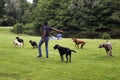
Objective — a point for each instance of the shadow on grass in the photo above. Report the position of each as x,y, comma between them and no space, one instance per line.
12,75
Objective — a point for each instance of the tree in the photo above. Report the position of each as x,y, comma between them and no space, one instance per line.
27,17
24,6
1,8
1,11
83,12
54,11
26,12
13,9
35,2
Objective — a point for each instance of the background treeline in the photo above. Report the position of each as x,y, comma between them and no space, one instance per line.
78,18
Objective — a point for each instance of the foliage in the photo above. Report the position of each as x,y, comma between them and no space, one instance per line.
18,28
15,10
106,36
35,2
75,14
1,8
53,11
68,15
83,12
12,8
27,17
7,21
29,29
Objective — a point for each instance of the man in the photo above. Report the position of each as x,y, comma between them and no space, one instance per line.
45,38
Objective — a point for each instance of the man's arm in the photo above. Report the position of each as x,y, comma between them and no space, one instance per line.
57,30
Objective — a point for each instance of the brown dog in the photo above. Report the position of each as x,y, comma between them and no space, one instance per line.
108,48
78,42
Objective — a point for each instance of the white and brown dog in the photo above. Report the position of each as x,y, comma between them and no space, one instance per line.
108,48
16,43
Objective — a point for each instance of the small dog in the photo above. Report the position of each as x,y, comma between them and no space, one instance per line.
64,50
108,48
78,42
16,43
33,43
20,40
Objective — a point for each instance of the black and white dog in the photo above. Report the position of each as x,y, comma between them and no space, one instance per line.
20,40
16,43
33,43
64,51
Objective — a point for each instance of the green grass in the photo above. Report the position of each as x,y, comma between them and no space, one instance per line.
90,63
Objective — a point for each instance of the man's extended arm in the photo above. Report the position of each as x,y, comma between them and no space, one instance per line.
57,30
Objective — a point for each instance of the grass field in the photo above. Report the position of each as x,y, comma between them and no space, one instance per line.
90,63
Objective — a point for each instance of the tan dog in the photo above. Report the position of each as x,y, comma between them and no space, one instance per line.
108,48
78,42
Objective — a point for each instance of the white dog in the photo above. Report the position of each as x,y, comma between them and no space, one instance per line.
16,43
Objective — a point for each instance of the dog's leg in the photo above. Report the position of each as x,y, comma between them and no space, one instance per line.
16,44
82,46
23,43
75,44
62,58
78,46
36,46
67,57
110,52
33,46
107,52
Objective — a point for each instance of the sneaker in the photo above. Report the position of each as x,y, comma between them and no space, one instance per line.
47,57
39,56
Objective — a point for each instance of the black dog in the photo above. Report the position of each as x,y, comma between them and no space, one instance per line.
33,43
20,40
64,50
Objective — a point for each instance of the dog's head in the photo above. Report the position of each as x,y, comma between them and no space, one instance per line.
17,37
101,45
30,41
56,46
74,39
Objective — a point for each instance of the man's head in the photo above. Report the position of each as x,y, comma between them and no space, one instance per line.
45,23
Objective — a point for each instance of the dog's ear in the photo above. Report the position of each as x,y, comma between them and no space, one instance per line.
56,46
100,46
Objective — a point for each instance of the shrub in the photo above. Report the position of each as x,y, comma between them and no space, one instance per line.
18,28
29,29
106,36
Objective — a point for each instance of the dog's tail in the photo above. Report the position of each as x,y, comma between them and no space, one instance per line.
73,51
36,46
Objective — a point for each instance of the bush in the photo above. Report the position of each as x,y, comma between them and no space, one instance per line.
106,36
18,28
29,29
37,27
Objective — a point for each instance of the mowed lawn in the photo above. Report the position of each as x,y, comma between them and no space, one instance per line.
90,63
